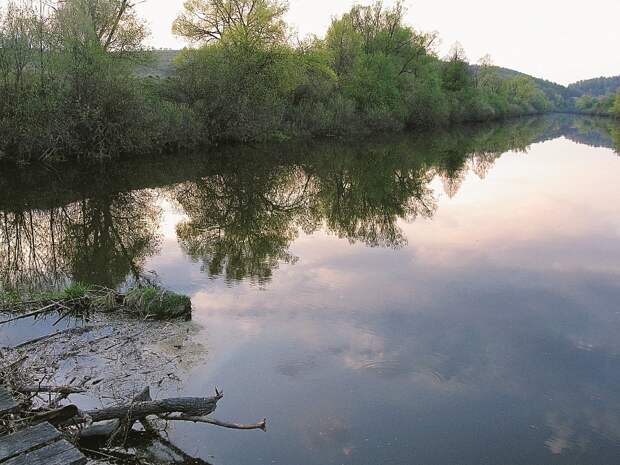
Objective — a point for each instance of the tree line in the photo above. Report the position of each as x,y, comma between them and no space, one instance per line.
603,105
597,87
70,89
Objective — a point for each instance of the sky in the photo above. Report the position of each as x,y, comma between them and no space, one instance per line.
560,40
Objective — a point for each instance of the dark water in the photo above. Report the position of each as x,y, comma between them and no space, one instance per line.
452,298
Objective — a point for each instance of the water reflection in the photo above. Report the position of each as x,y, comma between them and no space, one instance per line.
101,240
245,208
242,220
366,332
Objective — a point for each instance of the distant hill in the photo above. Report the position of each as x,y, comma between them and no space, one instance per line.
161,64
564,96
547,86
560,95
597,87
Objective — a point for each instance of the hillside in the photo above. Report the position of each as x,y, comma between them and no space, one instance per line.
548,87
161,64
597,87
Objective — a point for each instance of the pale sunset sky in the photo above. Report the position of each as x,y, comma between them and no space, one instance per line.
560,40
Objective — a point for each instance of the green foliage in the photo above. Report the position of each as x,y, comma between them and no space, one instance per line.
598,87
237,90
604,106
256,21
157,302
617,104
76,80
67,77
76,291
145,301
14,297
9,298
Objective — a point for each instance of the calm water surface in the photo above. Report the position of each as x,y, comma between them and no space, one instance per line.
447,299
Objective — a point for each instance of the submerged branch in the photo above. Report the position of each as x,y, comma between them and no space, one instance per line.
47,309
65,332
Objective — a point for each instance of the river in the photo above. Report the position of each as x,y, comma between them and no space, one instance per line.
439,299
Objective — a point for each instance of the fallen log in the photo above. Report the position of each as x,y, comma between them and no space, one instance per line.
123,426
190,405
50,389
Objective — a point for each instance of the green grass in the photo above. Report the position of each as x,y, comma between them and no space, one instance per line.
145,301
76,291
8,298
157,302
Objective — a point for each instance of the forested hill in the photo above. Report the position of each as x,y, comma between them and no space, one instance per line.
547,86
596,87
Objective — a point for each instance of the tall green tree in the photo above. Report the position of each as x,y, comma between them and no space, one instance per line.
241,82
378,60
205,21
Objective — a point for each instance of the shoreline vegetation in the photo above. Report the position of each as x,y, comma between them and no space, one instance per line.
70,87
147,302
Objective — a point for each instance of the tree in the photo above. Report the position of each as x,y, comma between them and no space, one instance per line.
456,73
112,24
617,104
373,30
18,42
380,62
487,76
255,20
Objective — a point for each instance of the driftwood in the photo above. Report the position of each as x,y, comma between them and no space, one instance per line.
137,410
262,425
50,389
122,427
121,418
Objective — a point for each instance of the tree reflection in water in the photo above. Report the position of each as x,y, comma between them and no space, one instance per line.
242,219
245,207
99,241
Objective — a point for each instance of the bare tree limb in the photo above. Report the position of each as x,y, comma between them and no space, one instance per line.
262,425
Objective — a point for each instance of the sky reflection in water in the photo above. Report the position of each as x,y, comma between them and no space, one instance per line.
483,329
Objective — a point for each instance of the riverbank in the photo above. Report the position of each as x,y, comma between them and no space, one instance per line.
99,376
